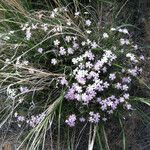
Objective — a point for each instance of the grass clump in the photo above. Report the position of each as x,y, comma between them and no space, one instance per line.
62,68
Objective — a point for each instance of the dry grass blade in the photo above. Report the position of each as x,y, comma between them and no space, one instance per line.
16,5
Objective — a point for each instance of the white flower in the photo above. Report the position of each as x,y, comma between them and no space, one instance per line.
24,27
125,31
133,72
105,35
24,89
129,106
55,10
20,100
88,64
62,51
70,50
15,114
135,47
11,92
74,61
86,13
94,45
77,13
20,118
108,53
120,30
125,87
59,28
88,31
56,42
83,43
118,86
11,32
82,119
121,99
88,41
34,26
131,56
28,33
112,76
88,22
104,119
40,50
75,45
106,84
127,42
68,38
80,58
45,27
84,97
142,57
104,69
7,61
53,61
74,38
113,29
124,41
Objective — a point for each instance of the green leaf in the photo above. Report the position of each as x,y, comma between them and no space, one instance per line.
105,138
142,100
99,140
123,134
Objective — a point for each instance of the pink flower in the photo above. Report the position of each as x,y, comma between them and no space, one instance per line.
63,81
70,94
126,95
94,117
82,119
71,120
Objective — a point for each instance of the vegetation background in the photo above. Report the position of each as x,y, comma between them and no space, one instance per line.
134,13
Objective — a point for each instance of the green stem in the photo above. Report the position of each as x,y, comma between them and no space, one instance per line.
105,138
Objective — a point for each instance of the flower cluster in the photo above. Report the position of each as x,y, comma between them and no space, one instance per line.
71,120
32,121
101,81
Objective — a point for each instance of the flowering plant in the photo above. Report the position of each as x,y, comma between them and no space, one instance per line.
67,58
